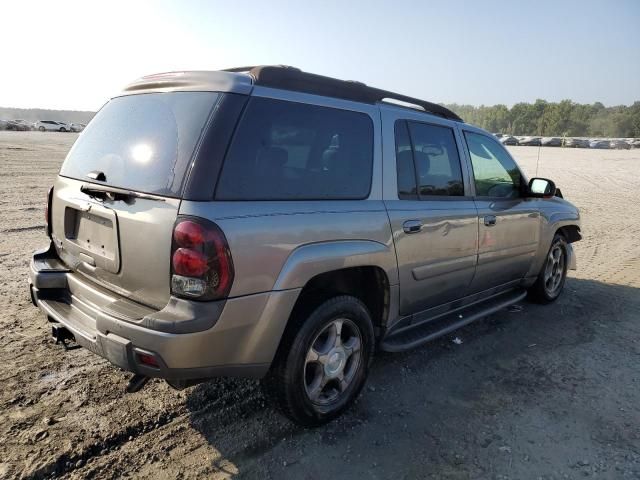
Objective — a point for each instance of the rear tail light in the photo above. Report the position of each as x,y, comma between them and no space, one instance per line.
47,211
201,265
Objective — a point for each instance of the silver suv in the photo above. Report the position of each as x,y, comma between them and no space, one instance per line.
270,223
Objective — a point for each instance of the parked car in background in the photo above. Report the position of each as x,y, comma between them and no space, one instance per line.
279,249
18,125
634,143
576,143
498,135
3,124
51,126
77,127
551,142
508,140
620,144
599,143
530,141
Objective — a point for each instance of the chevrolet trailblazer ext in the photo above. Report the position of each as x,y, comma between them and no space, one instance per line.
270,223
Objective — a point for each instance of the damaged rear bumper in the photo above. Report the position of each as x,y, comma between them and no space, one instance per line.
189,340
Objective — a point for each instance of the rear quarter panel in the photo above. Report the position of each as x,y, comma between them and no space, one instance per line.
272,243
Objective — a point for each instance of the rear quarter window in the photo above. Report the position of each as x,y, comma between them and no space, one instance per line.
292,151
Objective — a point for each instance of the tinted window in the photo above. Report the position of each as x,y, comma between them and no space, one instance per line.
495,172
142,142
292,151
436,159
406,172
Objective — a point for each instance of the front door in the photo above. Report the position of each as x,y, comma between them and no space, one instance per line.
434,222
508,222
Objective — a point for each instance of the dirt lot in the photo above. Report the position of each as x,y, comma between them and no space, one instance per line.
541,392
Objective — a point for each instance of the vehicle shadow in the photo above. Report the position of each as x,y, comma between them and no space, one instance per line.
504,363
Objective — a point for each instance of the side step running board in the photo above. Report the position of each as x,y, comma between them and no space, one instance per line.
411,336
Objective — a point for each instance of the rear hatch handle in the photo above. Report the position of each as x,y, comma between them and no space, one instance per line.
113,193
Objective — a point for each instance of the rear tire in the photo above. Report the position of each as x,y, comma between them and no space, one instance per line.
552,276
322,362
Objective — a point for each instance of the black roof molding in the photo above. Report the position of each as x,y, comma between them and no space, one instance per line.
291,78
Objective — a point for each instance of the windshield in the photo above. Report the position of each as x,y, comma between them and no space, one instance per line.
142,142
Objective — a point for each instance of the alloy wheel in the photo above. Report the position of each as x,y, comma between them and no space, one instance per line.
332,361
554,270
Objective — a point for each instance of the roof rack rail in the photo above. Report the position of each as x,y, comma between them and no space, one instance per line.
400,103
291,78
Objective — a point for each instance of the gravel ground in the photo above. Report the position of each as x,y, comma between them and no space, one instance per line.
531,392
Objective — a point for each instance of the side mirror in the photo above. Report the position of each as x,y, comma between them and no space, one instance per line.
541,188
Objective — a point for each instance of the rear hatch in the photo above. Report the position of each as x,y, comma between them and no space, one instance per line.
116,199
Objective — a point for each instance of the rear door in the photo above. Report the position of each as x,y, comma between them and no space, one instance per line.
432,217
141,143
508,222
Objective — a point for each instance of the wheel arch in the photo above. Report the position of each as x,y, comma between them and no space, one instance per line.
369,284
566,223
311,260
364,269
570,232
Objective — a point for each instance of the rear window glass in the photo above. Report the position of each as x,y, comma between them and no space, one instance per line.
142,142
293,151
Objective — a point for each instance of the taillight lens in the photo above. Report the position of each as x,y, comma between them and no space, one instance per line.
189,262
47,211
201,265
189,234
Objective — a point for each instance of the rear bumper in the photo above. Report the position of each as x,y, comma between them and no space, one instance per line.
189,340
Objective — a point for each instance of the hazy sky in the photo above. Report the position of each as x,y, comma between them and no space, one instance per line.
75,54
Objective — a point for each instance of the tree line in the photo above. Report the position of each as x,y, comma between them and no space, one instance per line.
549,119
555,119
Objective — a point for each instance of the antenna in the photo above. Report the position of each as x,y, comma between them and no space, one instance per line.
538,160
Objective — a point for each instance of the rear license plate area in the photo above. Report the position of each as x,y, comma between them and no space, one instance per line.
92,236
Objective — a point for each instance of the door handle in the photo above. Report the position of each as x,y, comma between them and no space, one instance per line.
490,220
412,226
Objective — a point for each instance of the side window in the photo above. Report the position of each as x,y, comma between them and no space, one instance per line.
435,156
293,151
495,172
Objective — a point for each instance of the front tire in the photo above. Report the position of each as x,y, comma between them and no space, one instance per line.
553,273
322,362
41,129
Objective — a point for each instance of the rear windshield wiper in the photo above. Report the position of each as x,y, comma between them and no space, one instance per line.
113,193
